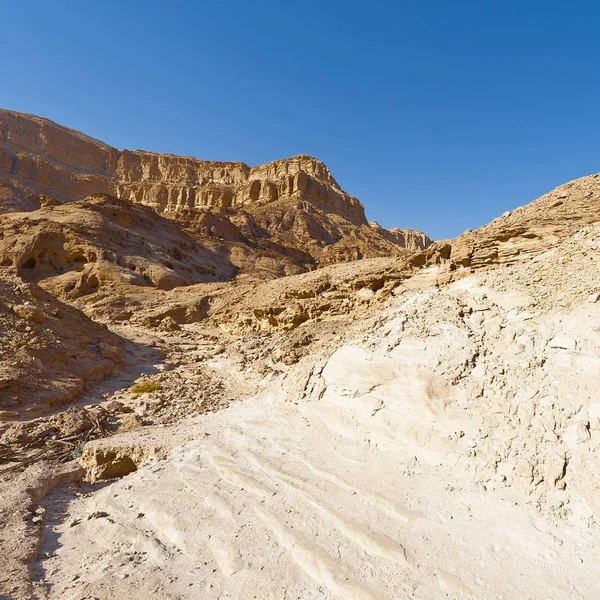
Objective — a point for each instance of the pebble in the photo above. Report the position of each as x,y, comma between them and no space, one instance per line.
577,433
524,469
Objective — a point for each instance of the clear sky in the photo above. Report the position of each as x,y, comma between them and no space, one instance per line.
438,115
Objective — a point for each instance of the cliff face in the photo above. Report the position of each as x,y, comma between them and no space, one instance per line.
407,238
68,165
293,208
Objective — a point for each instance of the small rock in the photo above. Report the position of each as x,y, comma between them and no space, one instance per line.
577,433
29,313
99,514
169,324
593,298
524,469
110,352
594,414
562,342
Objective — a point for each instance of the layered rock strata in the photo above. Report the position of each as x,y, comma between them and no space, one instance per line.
39,156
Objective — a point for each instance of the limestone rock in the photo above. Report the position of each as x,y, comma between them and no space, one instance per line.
563,342
577,433
524,469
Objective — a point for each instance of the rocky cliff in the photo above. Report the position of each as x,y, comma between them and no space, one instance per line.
407,238
68,165
38,156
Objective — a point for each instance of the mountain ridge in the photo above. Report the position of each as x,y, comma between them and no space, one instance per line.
38,156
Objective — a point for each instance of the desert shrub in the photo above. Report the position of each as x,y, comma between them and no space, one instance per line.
145,386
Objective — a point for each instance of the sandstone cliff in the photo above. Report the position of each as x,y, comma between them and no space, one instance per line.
286,205
407,238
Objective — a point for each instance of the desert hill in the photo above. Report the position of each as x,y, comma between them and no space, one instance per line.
267,415
84,246
292,209
528,230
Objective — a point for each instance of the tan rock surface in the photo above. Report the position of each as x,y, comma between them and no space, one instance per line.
292,208
528,230
424,424
49,350
83,247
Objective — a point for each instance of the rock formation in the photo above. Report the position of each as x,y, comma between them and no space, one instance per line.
80,248
426,396
407,238
285,206
528,230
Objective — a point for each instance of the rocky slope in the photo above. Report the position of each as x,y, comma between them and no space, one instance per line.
293,207
83,247
49,351
424,424
528,230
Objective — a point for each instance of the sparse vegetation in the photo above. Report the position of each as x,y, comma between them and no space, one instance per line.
145,386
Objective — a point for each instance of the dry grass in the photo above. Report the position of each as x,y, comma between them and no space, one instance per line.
145,386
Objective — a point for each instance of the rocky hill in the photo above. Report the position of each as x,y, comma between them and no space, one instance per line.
50,351
88,245
423,422
531,229
293,207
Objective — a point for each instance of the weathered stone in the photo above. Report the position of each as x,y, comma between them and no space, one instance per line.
561,341
110,352
523,468
577,433
30,313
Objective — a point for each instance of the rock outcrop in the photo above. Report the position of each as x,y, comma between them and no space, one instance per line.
407,238
291,204
527,230
100,243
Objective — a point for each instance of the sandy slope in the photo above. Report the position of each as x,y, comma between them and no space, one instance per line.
444,447
265,502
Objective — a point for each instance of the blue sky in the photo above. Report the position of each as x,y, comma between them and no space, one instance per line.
438,115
